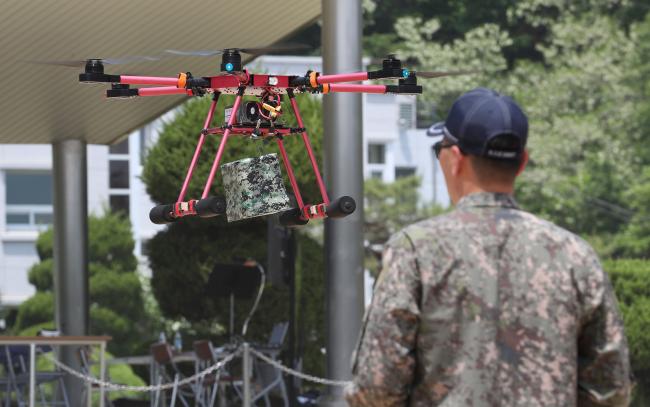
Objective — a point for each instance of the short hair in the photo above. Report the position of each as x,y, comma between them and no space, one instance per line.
499,170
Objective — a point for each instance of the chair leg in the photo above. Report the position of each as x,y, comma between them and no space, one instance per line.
215,389
283,390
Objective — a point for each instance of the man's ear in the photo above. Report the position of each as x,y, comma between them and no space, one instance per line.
457,159
524,161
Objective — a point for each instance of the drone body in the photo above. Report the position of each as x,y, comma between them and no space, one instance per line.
253,119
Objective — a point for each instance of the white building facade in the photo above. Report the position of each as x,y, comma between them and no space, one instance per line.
393,147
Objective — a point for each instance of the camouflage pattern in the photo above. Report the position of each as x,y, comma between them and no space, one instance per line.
254,187
491,306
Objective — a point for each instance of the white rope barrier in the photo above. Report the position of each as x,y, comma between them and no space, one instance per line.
217,366
315,379
165,386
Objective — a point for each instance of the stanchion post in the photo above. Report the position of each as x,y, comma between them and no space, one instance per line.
102,368
246,372
32,374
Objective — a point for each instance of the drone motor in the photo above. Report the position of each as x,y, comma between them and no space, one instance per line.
231,61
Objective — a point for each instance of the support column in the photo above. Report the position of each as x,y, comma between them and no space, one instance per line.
343,145
71,250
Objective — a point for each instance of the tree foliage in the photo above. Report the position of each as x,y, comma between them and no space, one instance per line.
631,281
388,208
116,306
587,103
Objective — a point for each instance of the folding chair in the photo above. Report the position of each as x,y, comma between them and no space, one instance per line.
85,353
162,360
16,360
268,378
207,388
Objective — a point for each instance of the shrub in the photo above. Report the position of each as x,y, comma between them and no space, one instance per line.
631,281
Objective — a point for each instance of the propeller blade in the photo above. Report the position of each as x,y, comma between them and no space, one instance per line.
129,60
252,51
200,53
275,48
440,74
80,63
70,63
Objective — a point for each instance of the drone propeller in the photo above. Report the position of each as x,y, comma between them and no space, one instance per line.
252,51
440,74
80,63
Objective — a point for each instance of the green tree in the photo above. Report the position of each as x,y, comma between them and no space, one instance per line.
631,281
388,208
116,306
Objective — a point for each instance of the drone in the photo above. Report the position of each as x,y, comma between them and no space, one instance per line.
256,119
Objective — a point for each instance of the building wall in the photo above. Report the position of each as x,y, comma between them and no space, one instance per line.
17,240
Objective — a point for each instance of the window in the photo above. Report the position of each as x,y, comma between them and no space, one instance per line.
406,115
120,148
401,172
377,174
28,199
119,174
29,188
376,153
119,203
425,114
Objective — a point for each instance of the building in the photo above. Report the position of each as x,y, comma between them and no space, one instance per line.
394,147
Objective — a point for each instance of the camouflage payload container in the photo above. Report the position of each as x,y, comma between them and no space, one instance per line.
254,187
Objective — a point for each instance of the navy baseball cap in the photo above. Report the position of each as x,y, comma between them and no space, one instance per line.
478,118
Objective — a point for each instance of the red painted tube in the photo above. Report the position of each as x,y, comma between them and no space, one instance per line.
149,80
165,90
310,152
357,88
344,77
197,151
290,174
222,146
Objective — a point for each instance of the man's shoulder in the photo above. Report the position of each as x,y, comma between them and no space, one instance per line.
453,224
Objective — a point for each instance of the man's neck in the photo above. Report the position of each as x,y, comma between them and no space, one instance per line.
469,188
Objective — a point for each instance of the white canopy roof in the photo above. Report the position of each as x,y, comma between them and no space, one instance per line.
44,103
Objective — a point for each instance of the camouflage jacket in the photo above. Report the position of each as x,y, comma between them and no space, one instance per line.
490,306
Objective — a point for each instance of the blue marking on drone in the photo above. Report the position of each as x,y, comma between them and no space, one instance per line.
229,66
405,73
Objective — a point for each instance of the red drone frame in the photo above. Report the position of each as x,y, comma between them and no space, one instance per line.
254,119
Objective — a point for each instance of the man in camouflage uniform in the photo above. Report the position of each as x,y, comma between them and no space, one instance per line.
489,305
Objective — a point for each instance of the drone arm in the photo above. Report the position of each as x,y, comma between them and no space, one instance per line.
345,77
401,89
164,90
149,80
339,88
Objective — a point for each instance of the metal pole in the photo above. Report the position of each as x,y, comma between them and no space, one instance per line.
32,374
246,372
71,250
343,144
102,373
231,324
291,269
